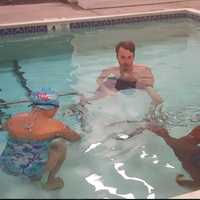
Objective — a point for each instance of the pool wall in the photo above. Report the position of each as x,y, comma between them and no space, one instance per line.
76,24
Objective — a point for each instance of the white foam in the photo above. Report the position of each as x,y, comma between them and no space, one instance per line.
132,105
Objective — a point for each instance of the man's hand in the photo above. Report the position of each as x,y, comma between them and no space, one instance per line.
144,77
155,128
129,76
104,75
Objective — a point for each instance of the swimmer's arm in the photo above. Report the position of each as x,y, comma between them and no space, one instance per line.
158,130
145,78
156,98
104,75
69,134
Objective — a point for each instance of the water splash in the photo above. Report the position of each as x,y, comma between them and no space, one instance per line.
174,116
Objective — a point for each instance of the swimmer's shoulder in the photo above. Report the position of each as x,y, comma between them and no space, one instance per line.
111,70
63,130
57,126
142,66
17,118
20,115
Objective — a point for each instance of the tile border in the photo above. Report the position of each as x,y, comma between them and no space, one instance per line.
23,30
125,20
58,25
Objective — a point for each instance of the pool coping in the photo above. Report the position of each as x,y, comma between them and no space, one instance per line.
102,17
76,24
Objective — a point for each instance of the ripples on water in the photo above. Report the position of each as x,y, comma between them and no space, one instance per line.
189,116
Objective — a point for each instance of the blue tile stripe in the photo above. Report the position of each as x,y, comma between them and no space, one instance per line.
126,20
23,30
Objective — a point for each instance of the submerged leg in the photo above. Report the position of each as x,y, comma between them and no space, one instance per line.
192,184
57,154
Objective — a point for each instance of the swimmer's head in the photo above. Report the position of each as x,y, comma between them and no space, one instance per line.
45,98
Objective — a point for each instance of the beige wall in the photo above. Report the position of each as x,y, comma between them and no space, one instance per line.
89,4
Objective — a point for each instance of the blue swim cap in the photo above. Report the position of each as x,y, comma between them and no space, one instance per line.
46,98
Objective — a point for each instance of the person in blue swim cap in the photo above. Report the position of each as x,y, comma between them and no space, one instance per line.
31,150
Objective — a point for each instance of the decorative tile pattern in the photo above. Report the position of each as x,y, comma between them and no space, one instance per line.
23,30
125,20
98,23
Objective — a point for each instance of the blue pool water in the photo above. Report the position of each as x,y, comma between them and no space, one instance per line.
99,166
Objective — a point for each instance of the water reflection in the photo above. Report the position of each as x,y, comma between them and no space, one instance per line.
173,116
96,181
125,176
169,166
92,146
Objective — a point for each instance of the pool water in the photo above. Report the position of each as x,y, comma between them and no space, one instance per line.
99,166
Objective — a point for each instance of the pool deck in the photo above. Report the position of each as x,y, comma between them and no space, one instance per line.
26,13
57,10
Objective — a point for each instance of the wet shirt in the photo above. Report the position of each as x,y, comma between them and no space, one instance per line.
123,84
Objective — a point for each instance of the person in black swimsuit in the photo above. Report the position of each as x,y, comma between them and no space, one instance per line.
119,84
123,84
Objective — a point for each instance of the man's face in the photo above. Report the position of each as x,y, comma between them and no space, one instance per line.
125,59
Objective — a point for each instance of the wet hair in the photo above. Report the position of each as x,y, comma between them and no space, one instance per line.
129,45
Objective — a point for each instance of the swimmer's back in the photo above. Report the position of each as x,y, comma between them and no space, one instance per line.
22,126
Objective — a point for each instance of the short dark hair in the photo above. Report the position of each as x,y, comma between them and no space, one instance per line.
129,45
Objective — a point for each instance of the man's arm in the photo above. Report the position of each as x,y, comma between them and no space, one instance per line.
144,77
154,95
145,80
104,75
